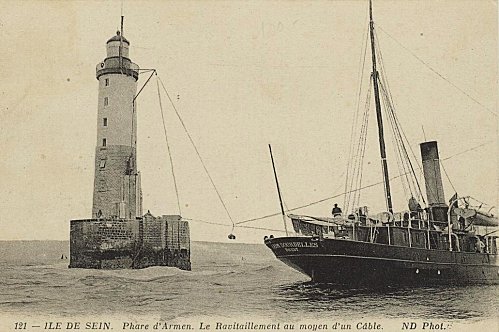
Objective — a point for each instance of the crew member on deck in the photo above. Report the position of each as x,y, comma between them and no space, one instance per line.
462,223
336,210
414,207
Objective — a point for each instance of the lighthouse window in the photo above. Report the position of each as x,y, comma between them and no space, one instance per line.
105,122
102,163
107,81
106,101
104,142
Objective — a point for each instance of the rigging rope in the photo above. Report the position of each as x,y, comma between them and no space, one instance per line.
362,150
402,157
197,152
340,194
357,176
398,154
399,129
402,136
355,181
468,150
346,200
448,178
168,147
313,203
440,75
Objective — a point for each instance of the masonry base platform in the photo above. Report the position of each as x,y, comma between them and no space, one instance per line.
127,259
110,243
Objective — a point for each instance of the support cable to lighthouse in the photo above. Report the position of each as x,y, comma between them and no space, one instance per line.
198,154
133,142
133,102
144,85
168,146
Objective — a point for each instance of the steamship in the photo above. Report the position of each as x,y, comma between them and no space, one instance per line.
434,241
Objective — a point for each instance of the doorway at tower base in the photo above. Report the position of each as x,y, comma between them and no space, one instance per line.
130,244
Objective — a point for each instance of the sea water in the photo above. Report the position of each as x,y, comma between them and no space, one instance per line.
229,281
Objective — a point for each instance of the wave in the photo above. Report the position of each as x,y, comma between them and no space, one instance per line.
268,268
241,280
23,282
19,303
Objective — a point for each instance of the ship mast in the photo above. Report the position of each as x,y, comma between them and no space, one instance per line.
386,179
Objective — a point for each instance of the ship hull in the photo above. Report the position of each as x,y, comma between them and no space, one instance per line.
347,262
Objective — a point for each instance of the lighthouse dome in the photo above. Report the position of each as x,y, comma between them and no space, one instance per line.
116,43
117,38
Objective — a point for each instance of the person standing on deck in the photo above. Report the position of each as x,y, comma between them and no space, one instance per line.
336,210
414,208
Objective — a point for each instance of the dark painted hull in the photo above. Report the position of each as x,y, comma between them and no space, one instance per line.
348,262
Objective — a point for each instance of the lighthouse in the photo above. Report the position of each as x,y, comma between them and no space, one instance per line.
117,192
119,235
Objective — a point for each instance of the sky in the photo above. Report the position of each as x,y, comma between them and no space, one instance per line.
242,75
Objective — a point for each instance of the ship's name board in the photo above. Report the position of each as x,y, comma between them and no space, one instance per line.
295,245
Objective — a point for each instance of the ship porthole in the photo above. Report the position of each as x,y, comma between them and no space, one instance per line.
438,272
417,271
427,258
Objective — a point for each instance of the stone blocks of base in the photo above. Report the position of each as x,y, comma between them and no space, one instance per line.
139,243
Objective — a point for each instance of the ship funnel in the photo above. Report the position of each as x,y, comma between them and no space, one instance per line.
432,175
433,181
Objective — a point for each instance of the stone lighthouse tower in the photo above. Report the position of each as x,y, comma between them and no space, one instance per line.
119,235
117,191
